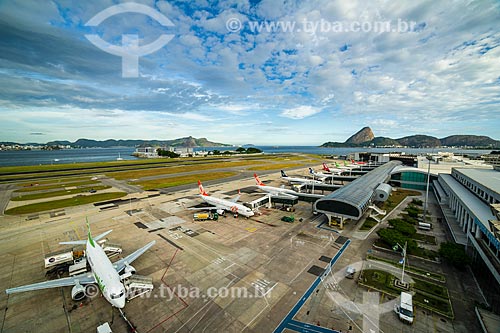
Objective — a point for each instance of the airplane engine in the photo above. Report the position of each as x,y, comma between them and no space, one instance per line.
129,270
220,211
78,292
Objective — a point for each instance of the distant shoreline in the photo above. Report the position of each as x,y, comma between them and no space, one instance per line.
68,156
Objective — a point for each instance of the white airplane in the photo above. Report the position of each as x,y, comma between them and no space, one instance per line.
278,191
319,175
103,272
221,205
299,180
329,170
346,166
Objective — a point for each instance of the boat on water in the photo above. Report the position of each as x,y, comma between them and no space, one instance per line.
119,158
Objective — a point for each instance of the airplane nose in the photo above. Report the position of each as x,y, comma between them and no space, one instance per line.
120,302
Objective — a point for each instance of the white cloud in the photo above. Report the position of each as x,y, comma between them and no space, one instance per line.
446,74
300,112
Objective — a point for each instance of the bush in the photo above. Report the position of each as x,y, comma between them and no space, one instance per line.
413,211
455,254
403,227
417,202
392,237
409,219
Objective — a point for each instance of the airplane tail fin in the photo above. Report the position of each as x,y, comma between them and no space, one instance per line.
311,171
283,174
202,190
258,180
325,167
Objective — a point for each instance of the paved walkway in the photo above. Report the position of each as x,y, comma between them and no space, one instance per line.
289,323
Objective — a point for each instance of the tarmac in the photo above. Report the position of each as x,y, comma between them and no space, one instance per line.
235,274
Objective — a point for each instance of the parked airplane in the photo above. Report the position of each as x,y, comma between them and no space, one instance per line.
346,166
319,175
221,205
336,171
358,163
299,180
107,275
277,191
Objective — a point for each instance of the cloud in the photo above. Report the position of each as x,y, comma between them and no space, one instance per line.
300,112
442,76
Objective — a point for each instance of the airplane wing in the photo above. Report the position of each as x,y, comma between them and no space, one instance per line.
82,279
235,199
122,263
284,196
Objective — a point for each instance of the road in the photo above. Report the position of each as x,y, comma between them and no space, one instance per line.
5,193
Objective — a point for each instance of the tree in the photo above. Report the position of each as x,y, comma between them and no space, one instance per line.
392,237
216,152
241,150
413,211
403,227
166,153
253,150
455,254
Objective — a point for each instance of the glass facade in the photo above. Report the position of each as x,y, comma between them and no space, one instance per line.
411,180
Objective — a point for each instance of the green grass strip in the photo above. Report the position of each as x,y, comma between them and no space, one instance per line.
56,185
43,195
182,180
62,203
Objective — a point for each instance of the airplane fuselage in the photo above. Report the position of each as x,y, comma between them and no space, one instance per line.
301,180
276,190
228,205
105,274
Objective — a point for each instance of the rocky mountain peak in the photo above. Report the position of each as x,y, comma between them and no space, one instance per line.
363,135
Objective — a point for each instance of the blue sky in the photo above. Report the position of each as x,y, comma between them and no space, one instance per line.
298,87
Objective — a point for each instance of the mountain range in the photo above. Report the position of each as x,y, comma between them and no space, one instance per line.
88,143
365,137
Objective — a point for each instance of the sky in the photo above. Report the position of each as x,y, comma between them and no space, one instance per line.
267,72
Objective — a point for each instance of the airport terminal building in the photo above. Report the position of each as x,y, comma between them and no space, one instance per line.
469,199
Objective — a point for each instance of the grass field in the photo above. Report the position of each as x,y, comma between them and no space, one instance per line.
62,203
425,238
396,197
52,194
182,180
276,166
37,173
411,269
178,169
383,281
52,186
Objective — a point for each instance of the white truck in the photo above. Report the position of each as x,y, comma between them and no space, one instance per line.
404,309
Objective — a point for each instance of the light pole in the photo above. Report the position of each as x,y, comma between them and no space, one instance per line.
429,159
404,257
